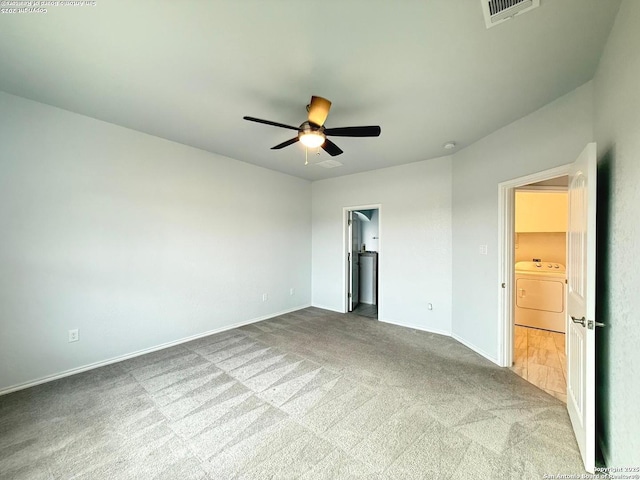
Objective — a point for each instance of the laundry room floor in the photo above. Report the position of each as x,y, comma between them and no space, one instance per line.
539,358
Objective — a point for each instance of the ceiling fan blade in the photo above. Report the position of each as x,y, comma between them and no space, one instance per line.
318,110
331,148
369,131
285,144
269,122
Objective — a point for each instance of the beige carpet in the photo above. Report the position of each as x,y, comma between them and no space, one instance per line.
311,394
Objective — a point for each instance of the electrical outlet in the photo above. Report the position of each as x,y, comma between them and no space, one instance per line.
73,335
483,249
265,297
292,291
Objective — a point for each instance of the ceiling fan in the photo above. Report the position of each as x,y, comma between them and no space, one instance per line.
313,134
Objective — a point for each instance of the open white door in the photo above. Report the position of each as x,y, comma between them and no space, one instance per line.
581,302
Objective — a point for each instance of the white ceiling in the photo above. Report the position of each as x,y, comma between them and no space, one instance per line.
426,71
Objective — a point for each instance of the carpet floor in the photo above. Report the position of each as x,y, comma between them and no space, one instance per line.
311,395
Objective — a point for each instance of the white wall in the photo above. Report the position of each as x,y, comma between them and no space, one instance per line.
135,240
370,232
617,129
552,136
415,241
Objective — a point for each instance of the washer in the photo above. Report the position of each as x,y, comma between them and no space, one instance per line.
540,295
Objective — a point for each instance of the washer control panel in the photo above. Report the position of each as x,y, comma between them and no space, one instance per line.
548,265
539,266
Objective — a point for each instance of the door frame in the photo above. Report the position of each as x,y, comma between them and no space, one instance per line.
506,255
345,257
354,230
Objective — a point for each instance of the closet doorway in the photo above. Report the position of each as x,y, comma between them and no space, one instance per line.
362,250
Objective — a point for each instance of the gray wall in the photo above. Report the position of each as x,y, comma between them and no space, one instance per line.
415,241
135,240
552,136
617,131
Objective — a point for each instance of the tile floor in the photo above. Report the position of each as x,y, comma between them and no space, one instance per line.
539,358
366,310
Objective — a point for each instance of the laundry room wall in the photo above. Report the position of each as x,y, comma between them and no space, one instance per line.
541,224
549,247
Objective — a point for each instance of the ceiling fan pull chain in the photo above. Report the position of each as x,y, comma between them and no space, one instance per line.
306,156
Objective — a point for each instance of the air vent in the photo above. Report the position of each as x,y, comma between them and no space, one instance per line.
329,164
498,11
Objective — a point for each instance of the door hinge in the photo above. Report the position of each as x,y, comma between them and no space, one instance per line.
349,256
349,295
504,285
348,222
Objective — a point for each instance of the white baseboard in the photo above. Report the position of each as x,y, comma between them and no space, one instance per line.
478,350
331,309
102,363
416,327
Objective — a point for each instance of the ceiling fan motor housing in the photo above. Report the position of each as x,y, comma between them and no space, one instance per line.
308,127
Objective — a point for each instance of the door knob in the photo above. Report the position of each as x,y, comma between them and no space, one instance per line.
581,321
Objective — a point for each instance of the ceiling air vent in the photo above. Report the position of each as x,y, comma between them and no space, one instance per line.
329,164
497,11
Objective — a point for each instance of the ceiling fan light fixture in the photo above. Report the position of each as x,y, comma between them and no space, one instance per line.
313,134
311,139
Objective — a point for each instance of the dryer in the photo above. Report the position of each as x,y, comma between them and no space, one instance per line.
540,295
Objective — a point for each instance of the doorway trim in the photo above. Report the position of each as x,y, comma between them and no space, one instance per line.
345,252
506,254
